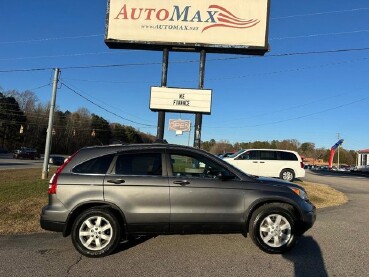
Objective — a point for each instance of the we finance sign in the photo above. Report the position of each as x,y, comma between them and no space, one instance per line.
214,25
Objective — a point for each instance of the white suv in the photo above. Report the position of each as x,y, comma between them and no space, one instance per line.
284,164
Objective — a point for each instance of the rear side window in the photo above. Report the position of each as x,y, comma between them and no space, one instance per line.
97,165
139,164
287,156
268,155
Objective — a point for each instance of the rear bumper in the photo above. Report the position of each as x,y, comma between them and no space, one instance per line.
52,219
52,225
300,173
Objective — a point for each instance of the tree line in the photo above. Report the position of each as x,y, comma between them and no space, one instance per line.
306,149
24,122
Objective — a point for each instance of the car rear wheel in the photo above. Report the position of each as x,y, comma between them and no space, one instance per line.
287,175
96,233
272,228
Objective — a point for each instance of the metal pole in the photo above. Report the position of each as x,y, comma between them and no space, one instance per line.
45,169
338,154
198,116
338,158
189,136
164,76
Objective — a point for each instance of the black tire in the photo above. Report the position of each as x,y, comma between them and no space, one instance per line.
96,233
272,228
287,175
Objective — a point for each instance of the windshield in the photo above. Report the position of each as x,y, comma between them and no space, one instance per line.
236,154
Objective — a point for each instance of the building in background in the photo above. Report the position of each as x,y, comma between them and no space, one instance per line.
362,163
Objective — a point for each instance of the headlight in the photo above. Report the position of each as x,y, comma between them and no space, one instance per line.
300,192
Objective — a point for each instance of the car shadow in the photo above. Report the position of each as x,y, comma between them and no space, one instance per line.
132,242
307,258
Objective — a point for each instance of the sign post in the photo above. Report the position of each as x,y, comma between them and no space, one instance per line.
198,116
235,27
164,77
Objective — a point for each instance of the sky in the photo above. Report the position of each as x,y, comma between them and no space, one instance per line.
312,86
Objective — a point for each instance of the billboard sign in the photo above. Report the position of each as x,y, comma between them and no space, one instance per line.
222,26
180,100
179,125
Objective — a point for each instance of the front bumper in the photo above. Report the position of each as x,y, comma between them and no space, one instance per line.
307,221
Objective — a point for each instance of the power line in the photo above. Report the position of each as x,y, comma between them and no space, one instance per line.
296,118
320,13
228,77
320,35
106,103
50,39
193,61
115,52
99,106
102,35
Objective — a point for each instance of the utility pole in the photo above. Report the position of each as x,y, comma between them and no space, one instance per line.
45,169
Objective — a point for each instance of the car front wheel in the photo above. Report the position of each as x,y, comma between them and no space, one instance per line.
96,233
272,228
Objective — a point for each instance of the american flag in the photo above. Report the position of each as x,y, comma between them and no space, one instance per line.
227,19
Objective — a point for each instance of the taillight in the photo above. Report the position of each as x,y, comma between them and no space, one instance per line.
54,179
302,165
53,184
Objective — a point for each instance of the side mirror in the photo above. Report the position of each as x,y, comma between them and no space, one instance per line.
225,175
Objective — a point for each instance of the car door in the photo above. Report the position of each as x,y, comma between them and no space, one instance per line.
269,164
201,202
138,185
248,162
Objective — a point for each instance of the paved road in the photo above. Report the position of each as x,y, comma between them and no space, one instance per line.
8,162
336,246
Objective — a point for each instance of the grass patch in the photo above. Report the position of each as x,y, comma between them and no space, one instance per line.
324,196
23,194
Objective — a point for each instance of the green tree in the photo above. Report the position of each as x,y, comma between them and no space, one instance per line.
12,121
221,147
307,149
103,133
118,133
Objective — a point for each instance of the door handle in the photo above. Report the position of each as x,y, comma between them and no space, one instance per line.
182,183
255,162
262,162
116,181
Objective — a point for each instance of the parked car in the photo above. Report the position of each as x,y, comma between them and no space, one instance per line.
284,164
26,153
105,194
225,155
56,160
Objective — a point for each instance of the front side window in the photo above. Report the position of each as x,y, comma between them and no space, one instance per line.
190,166
139,164
98,165
249,155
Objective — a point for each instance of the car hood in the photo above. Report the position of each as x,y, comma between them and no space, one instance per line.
278,182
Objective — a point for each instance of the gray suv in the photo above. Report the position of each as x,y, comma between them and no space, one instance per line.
106,194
